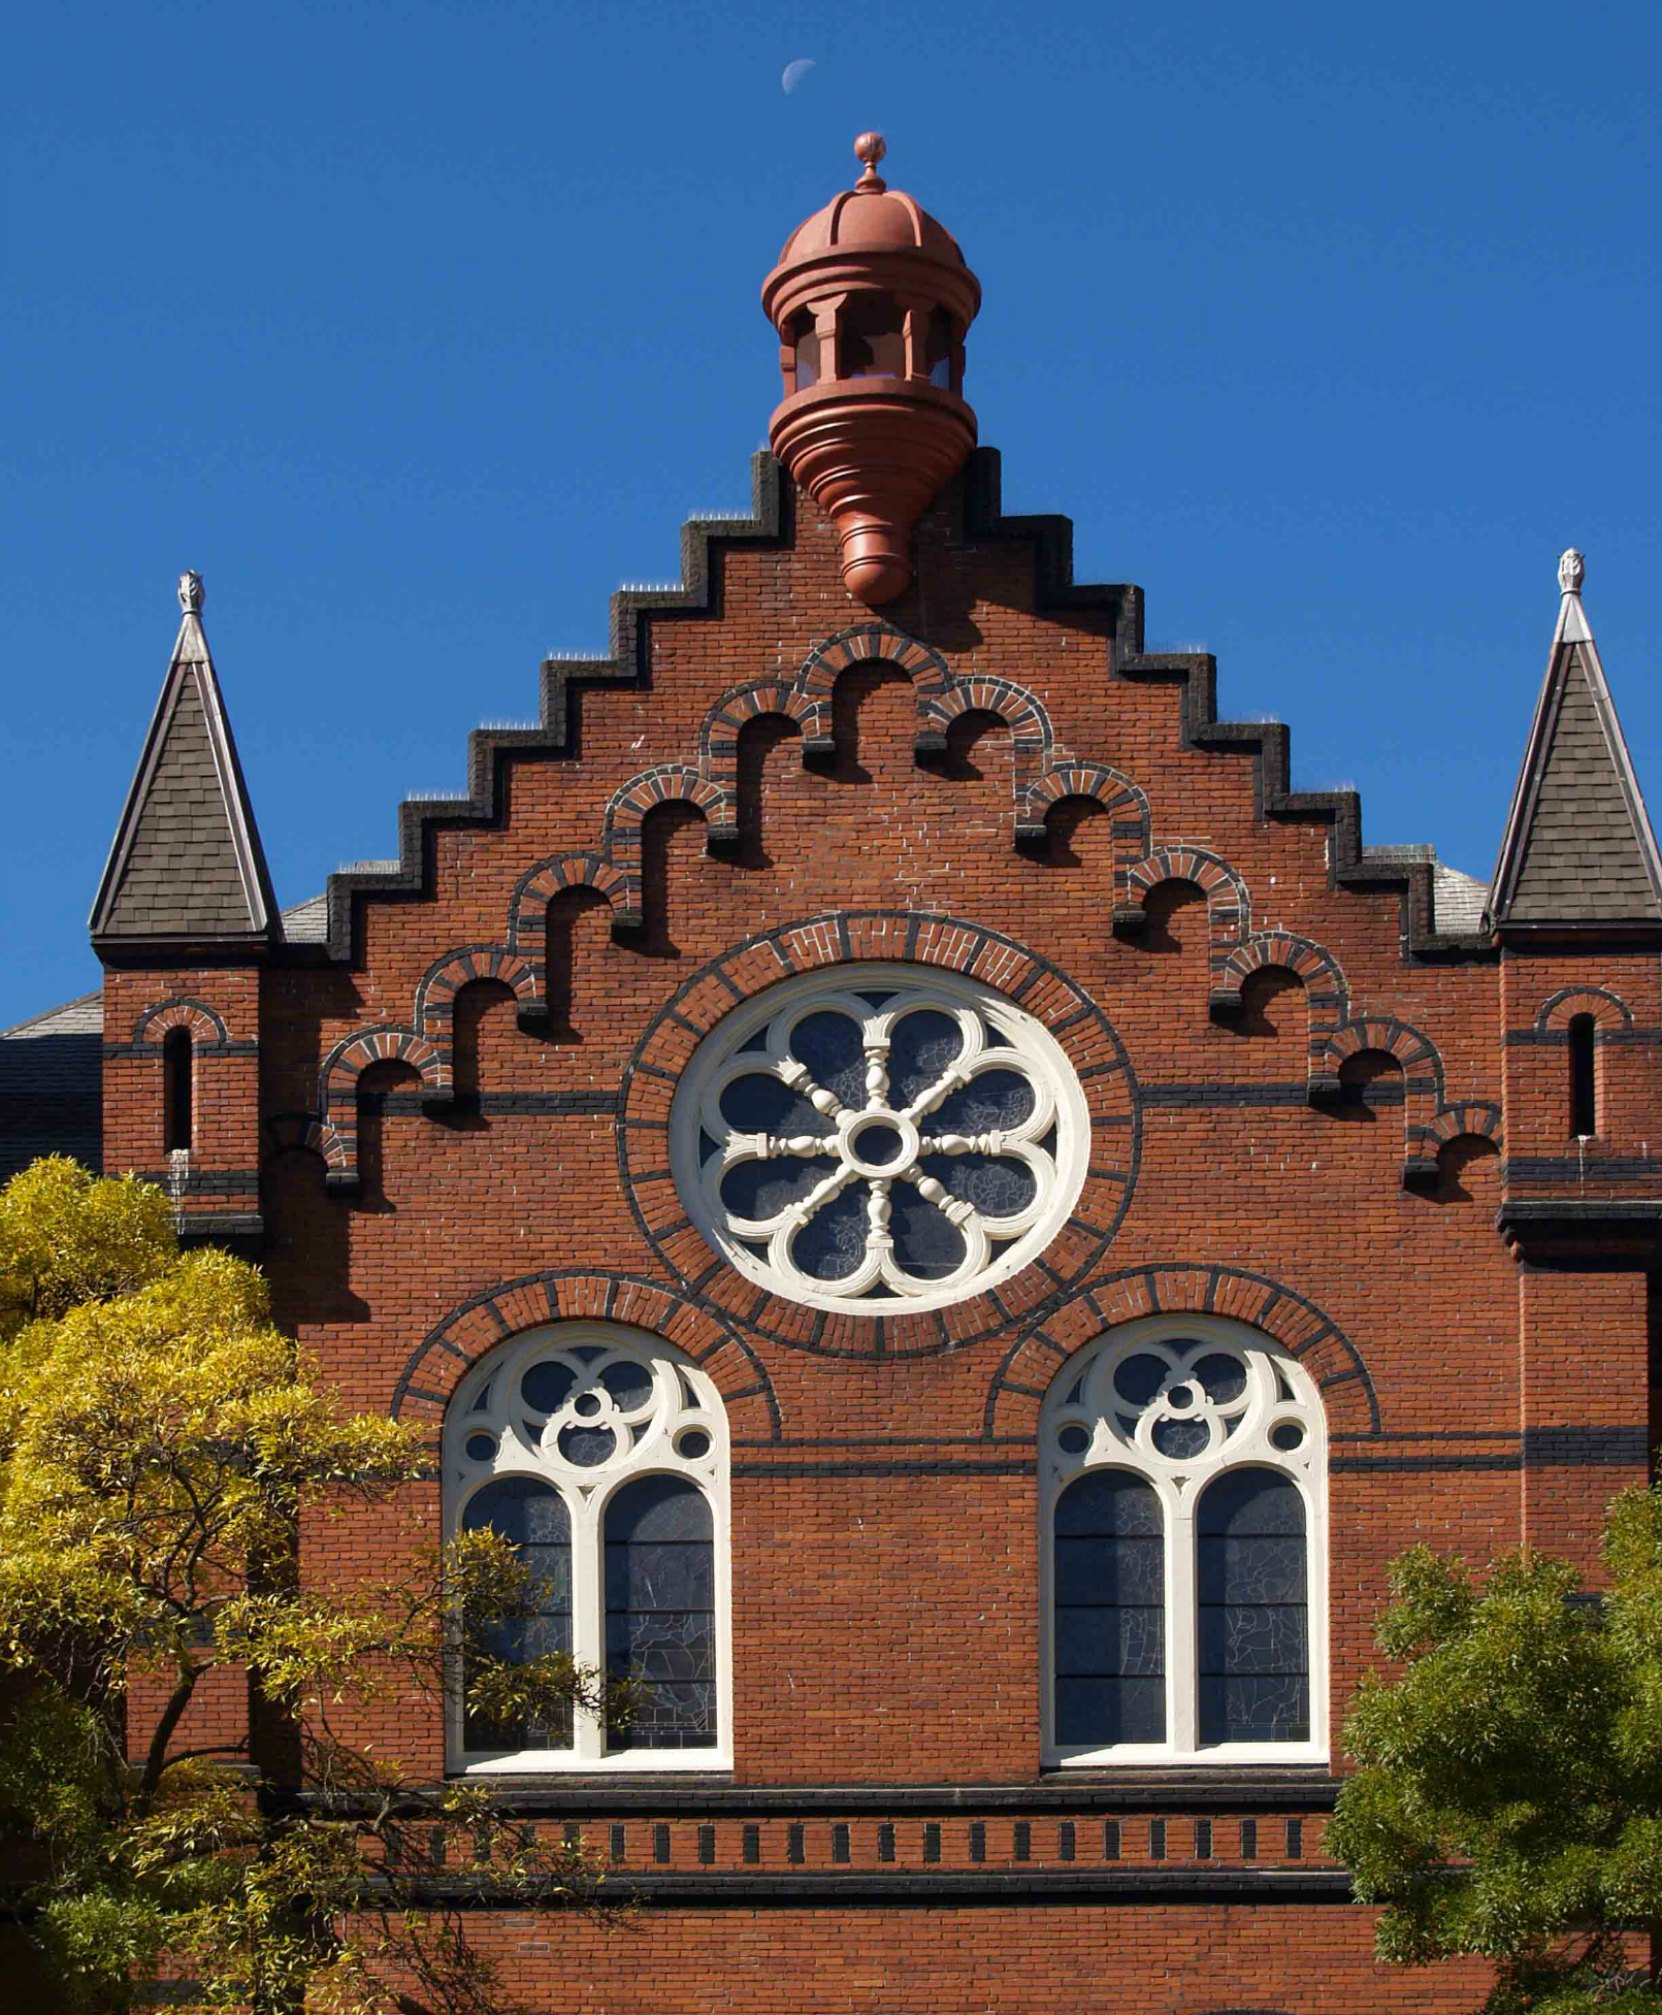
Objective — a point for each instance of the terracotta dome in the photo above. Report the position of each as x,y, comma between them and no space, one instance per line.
880,219
872,299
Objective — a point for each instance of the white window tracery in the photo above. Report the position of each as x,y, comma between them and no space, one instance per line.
602,1452
879,1137
1183,1505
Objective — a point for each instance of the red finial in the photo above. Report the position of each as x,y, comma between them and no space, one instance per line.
870,148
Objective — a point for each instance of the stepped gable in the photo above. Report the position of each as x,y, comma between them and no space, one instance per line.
186,865
1578,848
974,503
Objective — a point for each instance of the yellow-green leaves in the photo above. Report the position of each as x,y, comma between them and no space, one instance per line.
67,1237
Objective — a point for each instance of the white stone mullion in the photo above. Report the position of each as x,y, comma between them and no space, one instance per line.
588,1615
1182,1624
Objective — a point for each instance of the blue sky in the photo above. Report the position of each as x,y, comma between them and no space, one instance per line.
416,328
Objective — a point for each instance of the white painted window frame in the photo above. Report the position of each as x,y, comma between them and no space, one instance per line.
1178,1484
1019,1041
524,1451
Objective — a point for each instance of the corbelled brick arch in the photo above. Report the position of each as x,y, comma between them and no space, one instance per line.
1294,1321
1326,990
1062,779
1421,1065
435,1002
528,917
435,1367
1476,1119
816,682
1228,906
666,783
338,1089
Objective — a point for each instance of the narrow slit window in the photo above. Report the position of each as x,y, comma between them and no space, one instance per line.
178,1091
1110,1612
1583,1078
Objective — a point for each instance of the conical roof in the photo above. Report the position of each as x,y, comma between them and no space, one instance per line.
186,864
1579,848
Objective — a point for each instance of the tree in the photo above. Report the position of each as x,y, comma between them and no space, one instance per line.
1508,1801
160,1442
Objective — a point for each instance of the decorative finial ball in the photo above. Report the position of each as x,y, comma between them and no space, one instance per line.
870,149
190,593
1572,571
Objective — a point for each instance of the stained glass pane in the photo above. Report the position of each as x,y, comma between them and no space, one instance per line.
758,1102
533,1516
546,1387
1139,1379
995,1098
759,1190
1181,1439
629,1383
1109,1600
587,1446
997,1188
830,1045
927,1244
660,1613
921,1049
833,1241
1223,1377
1254,1648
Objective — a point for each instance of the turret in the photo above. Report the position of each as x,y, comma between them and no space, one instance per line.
871,298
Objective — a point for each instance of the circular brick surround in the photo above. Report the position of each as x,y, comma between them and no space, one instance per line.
848,938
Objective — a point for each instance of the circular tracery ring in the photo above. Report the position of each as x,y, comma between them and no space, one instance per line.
897,1136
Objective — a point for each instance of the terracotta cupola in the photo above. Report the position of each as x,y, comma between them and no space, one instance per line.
871,298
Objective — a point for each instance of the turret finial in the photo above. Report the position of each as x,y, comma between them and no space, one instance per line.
870,148
190,593
1572,571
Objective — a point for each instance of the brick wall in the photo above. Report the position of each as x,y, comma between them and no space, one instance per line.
1320,1122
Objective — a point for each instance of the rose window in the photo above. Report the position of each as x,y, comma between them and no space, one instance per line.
894,1137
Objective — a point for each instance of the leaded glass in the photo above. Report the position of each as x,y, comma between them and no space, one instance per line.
532,1515
1109,1598
660,1613
1254,1658
863,1145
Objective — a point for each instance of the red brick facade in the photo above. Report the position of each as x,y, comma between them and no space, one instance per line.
1310,1110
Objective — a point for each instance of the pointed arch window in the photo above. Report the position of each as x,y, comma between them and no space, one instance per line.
601,1453
1183,1499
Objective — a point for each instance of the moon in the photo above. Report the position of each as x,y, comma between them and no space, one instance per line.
795,72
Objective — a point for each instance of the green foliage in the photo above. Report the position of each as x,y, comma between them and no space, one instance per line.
160,1441
1508,1800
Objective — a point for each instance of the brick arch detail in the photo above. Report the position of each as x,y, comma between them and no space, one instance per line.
537,888
476,1326
1304,1330
1475,1118
435,1000
1608,1009
1228,905
206,1025
1326,989
667,783
338,1088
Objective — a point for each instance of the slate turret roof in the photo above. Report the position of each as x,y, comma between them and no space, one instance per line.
186,865
1579,850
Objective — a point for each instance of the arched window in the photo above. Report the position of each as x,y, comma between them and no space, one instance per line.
601,1452
178,1091
1184,1480
1583,1078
